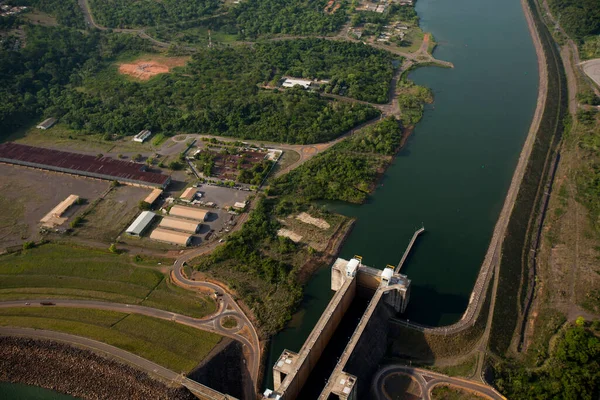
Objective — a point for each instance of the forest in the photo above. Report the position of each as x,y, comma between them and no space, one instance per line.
572,371
579,18
71,75
365,71
347,171
126,14
265,283
248,19
66,12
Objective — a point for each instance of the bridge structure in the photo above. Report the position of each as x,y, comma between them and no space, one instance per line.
389,293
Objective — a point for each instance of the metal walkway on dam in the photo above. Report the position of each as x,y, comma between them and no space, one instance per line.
391,295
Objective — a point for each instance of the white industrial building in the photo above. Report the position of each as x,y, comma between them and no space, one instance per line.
141,223
142,136
47,124
291,82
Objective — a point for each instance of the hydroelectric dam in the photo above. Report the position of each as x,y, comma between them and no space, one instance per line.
388,292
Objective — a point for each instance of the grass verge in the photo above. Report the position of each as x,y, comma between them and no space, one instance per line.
174,346
57,270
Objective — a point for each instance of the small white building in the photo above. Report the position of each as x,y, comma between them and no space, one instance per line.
47,124
141,223
291,82
142,136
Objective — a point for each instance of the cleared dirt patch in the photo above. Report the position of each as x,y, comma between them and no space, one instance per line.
147,68
308,219
293,236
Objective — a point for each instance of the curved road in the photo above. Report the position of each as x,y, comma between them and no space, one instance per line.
252,344
211,324
427,380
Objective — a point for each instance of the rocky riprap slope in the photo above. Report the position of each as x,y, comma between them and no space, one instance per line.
77,372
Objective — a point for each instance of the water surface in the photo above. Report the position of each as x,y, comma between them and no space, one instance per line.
454,172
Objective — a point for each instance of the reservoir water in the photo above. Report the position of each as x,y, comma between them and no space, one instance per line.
454,172
15,391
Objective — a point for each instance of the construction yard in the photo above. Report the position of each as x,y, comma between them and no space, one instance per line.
27,195
148,67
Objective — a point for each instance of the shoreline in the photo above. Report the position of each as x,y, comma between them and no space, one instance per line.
491,263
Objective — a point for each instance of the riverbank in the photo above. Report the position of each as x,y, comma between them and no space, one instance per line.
78,372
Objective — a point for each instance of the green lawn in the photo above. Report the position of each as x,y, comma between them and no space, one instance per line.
55,270
177,347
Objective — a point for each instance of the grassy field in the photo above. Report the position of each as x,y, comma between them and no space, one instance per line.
443,392
61,137
63,271
174,346
464,369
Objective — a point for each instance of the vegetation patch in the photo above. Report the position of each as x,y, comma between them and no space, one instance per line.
571,372
177,347
448,392
348,170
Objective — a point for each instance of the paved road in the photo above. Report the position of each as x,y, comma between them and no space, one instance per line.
427,380
252,344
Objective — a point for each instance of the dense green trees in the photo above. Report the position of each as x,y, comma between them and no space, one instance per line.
572,372
218,92
366,72
66,12
580,18
266,284
347,171
124,13
254,18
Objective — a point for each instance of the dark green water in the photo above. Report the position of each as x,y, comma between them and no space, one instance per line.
454,172
15,391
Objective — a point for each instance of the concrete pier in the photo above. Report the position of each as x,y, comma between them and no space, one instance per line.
408,249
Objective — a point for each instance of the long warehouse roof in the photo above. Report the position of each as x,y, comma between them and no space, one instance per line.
102,167
188,212
179,224
140,223
166,235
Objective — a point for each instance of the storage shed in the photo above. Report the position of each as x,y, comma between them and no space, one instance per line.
188,194
197,214
153,196
172,237
179,224
141,223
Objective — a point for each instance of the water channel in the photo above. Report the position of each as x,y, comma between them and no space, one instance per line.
454,172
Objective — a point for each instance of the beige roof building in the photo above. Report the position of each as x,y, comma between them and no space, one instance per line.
197,214
179,224
172,237
188,194
155,194
54,217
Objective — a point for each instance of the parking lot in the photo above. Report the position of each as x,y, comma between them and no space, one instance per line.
222,197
